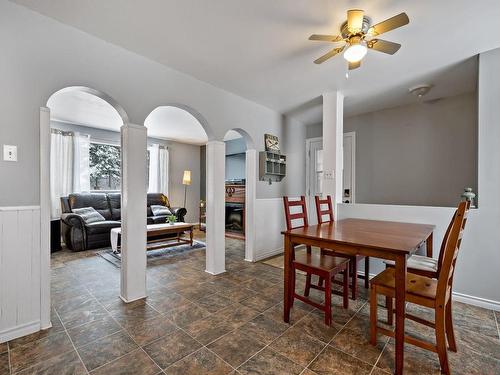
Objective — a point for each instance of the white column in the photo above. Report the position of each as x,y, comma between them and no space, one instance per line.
216,221
45,218
333,128
250,196
133,212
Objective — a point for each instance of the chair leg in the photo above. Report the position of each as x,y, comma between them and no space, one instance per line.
441,340
390,310
328,300
308,285
367,272
354,277
308,249
450,334
373,316
345,292
292,289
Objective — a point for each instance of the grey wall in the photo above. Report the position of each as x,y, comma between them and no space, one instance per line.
235,159
294,146
41,56
182,157
420,154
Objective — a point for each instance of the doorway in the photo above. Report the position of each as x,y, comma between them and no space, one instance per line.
314,170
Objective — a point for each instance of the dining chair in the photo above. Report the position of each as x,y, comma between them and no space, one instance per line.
321,265
353,259
427,292
423,265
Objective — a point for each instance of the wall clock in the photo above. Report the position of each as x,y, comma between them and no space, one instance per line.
271,143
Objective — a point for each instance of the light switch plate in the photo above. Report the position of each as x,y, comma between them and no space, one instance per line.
328,175
9,153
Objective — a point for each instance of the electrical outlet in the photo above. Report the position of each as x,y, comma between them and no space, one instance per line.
9,153
328,175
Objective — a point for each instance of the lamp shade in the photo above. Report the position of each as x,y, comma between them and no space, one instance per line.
186,179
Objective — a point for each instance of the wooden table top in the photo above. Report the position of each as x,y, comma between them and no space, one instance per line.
390,236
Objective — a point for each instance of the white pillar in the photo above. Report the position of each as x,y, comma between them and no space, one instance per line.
133,212
250,196
333,129
216,221
45,218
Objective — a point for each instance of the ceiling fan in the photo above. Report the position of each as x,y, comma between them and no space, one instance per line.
358,36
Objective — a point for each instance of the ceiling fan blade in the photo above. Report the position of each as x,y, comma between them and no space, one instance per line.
326,56
389,24
355,20
326,38
384,46
354,65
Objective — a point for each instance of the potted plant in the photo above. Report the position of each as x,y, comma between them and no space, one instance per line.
171,219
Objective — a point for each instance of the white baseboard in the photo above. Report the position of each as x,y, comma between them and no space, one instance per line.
477,301
267,254
19,331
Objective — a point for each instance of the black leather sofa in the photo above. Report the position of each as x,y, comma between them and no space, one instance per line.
78,235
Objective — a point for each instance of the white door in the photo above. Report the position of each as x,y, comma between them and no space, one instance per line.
314,172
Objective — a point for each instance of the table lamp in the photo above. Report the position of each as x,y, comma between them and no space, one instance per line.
186,180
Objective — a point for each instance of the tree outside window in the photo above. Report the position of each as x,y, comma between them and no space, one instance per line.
105,172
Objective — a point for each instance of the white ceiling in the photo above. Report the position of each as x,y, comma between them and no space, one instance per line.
259,49
82,108
78,107
175,124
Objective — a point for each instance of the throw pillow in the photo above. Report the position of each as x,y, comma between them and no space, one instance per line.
160,210
89,214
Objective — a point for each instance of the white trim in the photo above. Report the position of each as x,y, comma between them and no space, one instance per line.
45,217
477,301
308,160
19,331
19,208
268,253
215,273
251,176
353,166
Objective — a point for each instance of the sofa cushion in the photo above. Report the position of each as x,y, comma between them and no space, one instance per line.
115,203
160,219
102,226
99,201
160,210
89,215
156,199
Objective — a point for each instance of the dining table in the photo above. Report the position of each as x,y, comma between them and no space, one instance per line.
389,240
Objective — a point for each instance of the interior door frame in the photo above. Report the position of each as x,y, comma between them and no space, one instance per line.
352,135
309,199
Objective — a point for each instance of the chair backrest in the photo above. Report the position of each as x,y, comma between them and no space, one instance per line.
322,213
451,248
443,243
301,215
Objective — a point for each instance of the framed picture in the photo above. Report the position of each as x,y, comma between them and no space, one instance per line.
272,143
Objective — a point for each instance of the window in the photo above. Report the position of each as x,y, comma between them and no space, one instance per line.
105,172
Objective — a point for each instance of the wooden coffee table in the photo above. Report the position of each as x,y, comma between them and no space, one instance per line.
158,233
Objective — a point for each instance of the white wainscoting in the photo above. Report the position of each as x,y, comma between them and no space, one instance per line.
19,271
269,222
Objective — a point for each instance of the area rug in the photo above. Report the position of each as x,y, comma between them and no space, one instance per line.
156,254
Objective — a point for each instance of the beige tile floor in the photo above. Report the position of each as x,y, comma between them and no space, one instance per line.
194,323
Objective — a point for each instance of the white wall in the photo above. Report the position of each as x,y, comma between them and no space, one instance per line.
41,56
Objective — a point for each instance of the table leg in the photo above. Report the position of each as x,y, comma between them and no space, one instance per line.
428,246
191,237
400,311
287,279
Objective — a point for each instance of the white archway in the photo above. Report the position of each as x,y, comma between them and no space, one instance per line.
251,174
45,199
215,158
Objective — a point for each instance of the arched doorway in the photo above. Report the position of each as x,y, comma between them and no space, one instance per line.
183,129
65,145
241,176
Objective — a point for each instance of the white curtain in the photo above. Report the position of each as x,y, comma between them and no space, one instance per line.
163,170
61,168
69,166
158,169
81,164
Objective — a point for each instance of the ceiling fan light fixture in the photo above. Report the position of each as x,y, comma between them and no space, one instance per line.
355,52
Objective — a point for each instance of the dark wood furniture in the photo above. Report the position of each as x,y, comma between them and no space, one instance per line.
328,212
323,265
235,198
55,235
371,238
428,292
203,216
